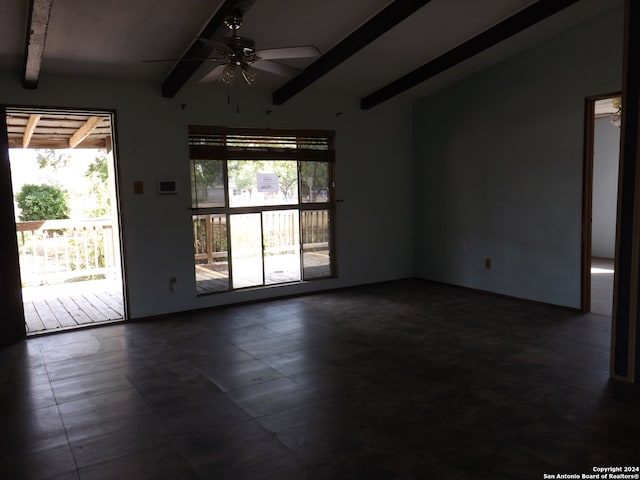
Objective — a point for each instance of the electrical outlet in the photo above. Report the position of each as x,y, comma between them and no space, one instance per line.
173,281
487,263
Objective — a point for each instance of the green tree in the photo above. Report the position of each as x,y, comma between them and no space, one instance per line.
50,158
243,173
287,177
98,174
314,177
206,175
98,168
42,202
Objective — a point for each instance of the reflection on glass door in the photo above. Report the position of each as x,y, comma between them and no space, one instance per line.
281,246
315,244
246,250
211,253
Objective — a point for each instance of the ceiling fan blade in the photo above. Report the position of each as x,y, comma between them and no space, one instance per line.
214,74
218,45
288,52
277,68
201,59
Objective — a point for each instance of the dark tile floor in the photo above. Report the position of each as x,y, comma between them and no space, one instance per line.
405,380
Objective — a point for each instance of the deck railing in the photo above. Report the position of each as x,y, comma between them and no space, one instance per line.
53,251
280,232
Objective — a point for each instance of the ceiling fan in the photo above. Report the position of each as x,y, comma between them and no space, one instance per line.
237,56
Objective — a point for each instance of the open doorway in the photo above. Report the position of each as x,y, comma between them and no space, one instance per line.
66,216
602,159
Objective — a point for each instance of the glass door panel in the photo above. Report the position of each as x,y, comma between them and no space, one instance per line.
246,250
281,232
211,253
315,244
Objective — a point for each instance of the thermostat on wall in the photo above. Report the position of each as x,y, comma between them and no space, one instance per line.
167,187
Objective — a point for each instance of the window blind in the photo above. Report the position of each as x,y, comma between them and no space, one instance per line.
235,143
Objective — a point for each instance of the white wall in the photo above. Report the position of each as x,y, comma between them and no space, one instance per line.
498,167
606,160
373,178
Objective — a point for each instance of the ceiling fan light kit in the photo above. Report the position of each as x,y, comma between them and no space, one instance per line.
228,74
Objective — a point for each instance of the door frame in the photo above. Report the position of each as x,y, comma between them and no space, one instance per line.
12,324
4,152
587,198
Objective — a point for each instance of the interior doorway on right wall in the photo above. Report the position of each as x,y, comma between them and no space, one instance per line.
602,186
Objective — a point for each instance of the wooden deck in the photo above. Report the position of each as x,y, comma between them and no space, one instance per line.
278,269
56,307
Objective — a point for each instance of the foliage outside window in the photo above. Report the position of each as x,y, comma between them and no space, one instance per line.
64,228
262,205
42,202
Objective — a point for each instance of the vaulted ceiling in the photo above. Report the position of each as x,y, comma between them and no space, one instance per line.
374,49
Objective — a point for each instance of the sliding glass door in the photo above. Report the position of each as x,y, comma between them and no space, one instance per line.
274,190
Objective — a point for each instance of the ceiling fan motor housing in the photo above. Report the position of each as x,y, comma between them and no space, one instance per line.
244,48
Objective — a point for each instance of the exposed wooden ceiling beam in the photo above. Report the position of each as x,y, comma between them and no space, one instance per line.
393,14
32,123
515,24
199,51
84,131
39,13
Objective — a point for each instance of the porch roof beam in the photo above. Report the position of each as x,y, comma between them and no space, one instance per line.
84,131
32,123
